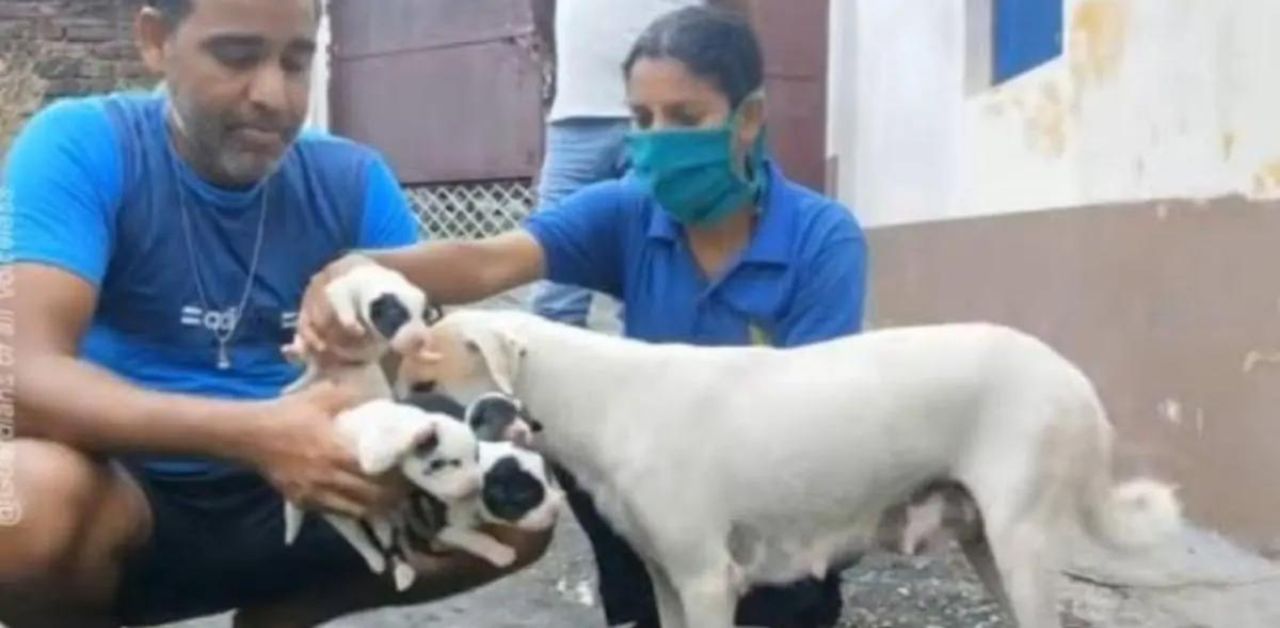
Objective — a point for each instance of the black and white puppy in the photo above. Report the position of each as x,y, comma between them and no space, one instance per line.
518,489
394,311
374,298
439,456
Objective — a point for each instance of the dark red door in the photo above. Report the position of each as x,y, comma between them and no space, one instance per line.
794,34
448,90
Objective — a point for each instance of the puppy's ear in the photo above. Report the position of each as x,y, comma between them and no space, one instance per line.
381,450
500,352
426,442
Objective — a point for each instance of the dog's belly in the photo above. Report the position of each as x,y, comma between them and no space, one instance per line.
783,557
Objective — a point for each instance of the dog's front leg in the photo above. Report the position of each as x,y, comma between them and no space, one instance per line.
708,600
670,615
478,543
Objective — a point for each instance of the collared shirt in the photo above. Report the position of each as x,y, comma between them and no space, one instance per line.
800,279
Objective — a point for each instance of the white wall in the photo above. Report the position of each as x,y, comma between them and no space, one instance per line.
1151,99
318,113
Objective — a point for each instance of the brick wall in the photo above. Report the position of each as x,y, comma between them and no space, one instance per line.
56,48
81,46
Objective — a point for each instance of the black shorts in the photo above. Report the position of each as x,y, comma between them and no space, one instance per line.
217,544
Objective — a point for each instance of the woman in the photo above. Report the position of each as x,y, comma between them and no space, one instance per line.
705,242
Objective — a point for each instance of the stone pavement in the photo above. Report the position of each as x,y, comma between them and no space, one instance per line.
889,591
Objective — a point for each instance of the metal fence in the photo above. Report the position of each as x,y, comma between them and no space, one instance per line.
471,210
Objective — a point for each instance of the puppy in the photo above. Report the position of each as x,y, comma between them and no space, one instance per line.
396,314
493,417
437,454
517,485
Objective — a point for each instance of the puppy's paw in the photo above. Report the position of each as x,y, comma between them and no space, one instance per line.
404,575
500,555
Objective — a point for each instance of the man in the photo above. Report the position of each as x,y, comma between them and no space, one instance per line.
162,243
588,119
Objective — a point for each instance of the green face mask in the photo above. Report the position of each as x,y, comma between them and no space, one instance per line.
690,172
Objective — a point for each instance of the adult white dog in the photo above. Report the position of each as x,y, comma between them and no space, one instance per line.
729,467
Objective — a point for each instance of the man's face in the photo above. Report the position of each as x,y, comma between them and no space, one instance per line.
239,72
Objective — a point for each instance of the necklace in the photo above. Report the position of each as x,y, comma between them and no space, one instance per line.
224,357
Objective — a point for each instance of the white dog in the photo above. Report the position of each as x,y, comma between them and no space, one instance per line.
731,467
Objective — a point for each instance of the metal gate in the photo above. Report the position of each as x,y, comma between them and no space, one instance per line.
451,93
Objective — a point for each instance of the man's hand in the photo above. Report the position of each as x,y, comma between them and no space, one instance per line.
300,452
323,335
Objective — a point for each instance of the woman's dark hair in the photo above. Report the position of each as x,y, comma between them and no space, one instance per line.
717,45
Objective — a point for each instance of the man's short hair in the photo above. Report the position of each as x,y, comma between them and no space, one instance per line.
175,10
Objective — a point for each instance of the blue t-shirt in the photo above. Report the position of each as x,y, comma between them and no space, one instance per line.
801,278
98,190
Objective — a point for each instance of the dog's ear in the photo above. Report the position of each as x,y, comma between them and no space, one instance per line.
380,450
500,352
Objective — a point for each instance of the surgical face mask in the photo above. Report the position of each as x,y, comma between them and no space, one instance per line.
691,173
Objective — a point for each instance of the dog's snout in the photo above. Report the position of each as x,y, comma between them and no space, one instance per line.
387,315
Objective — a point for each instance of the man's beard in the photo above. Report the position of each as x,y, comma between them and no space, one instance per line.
210,142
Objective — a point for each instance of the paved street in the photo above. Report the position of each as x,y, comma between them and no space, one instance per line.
887,592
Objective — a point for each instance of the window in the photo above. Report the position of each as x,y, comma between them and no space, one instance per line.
1026,34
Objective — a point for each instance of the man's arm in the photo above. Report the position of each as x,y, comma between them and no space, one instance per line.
62,398
455,272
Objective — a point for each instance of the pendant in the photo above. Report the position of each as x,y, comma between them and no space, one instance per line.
224,360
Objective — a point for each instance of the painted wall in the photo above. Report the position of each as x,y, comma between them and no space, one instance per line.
1150,99
1119,201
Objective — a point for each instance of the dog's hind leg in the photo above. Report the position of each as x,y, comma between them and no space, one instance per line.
364,543
1025,562
292,522
978,552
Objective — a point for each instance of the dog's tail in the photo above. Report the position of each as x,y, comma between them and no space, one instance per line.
1124,516
1133,515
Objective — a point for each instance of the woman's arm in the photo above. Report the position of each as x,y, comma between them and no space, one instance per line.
578,241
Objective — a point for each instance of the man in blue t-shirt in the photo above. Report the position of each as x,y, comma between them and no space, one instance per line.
161,243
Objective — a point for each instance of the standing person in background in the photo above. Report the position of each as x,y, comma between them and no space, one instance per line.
588,120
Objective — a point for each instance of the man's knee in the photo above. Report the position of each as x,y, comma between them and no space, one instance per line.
68,509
